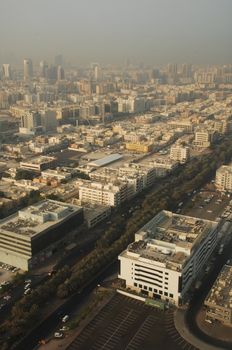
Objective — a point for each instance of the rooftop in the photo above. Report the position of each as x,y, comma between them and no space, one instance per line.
40,159
106,160
36,218
221,292
169,238
225,168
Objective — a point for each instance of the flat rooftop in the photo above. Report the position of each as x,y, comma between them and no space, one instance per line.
106,160
38,160
225,168
169,238
37,218
221,292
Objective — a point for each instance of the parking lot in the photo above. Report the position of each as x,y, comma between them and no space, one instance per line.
209,205
126,323
7,272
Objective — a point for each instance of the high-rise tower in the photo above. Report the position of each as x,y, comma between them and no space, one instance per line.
27,69
6,71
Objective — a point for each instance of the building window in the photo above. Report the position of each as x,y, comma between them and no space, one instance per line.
171,295
166,283
160,292
155,290
165,287
140,286
145,287
166,294
135,284
166,273
150,289
166,278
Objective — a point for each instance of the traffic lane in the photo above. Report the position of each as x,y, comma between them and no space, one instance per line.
17,293
52,322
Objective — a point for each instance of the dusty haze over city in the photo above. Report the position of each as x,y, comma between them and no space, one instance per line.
108,31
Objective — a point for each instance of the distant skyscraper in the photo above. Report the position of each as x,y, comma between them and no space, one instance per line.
30,120
28,69
52,72
186,70
60,73
6,71
43,69
172,69
97,72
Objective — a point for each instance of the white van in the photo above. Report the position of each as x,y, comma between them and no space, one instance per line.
27,286
27,291
65,318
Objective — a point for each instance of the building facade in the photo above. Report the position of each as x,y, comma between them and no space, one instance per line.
167,256
223,180
219,300
25,236
179,153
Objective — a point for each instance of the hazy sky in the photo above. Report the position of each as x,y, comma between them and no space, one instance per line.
153,31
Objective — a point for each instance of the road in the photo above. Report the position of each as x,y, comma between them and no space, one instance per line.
69,259
52,322
199,297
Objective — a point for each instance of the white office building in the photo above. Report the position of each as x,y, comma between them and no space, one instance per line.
167,256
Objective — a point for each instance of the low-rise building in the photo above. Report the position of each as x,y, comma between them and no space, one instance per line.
29,236
93,215
203,138
180,153
223,179
219,300
38,163
167,256
139,147
56,174
108,194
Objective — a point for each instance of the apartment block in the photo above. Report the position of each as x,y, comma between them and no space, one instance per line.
108,194
223,179
38,163
219,300
179,153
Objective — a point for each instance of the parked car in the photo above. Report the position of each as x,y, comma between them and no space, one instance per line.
27,281
27,291
64,329
58,335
